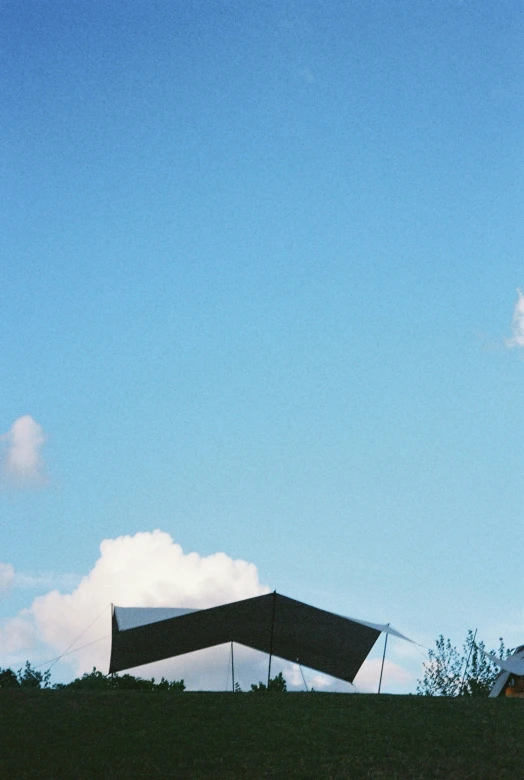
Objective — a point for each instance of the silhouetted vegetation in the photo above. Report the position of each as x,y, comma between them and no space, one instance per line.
450,672
28,677
276,684
8,679
96,681
24,678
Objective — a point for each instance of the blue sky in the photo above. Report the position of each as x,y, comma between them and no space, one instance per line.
259,273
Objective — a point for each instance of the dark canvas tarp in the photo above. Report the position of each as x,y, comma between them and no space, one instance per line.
272,623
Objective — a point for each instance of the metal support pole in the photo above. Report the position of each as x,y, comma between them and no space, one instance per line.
271,638
232,667
463,684
303,678
383,659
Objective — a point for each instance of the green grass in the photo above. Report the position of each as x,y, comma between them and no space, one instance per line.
78,734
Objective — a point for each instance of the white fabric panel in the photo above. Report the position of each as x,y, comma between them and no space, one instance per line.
133,617
385,629
514,664
500,682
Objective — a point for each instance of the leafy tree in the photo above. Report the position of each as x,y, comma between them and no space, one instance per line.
481,671
173,686
97,681
452,673
24,678
8,679
32,678
93,681
277,683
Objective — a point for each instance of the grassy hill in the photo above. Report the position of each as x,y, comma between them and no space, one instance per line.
79,734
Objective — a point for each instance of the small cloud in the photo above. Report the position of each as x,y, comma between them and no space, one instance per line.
40,580
22,463
517,325
44,580
7,575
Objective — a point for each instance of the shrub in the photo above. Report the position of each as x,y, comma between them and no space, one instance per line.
32,678
451,673
97,681
8,679
277,684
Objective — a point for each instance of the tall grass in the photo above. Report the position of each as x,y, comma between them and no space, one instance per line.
135,734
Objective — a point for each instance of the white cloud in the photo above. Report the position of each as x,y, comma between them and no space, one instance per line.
18,634
517,325
295,678
42,580
22,463
7,575
394,678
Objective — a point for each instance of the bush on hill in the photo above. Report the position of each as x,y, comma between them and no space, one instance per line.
452,673
93,681
97,681
24,678
8,679
277,683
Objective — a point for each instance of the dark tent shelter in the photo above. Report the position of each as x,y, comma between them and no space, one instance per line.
272,623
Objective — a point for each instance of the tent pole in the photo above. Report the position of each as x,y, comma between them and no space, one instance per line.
463,684
303,678
271,638
232,667
383,659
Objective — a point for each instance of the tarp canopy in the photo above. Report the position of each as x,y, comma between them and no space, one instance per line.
272,623
513,665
